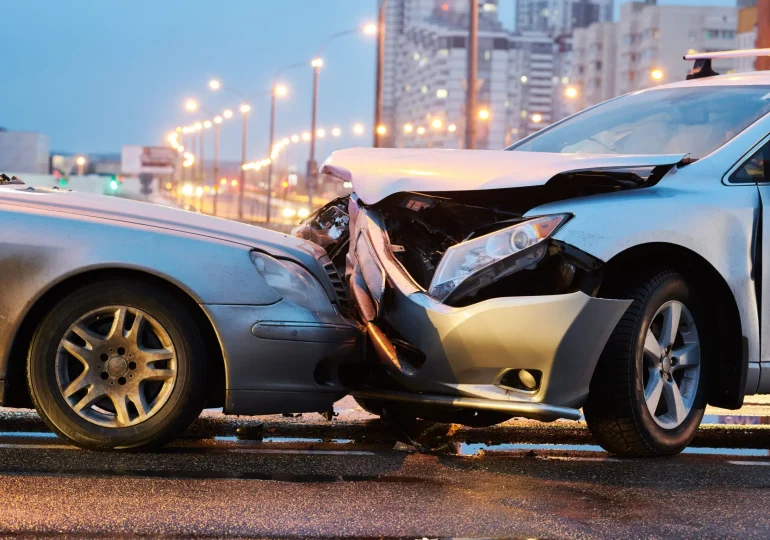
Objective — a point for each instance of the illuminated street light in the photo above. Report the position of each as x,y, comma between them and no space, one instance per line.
80,161
320,133
228,113
358,129
381,130
191,105
295,138
198,126
179,130
207,124
452,128
656,74
370,29
537,118
571,92
484,114
218,119
215,84
336,132
244,108
408,128
420,130
280,90
317,62
306,136
437,124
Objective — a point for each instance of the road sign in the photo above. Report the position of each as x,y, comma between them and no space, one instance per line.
147,160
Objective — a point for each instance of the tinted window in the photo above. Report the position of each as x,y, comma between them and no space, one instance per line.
755,169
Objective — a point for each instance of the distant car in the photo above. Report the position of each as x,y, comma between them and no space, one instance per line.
616,261
121,320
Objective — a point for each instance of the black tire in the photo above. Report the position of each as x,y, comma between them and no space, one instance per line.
185,400
616,411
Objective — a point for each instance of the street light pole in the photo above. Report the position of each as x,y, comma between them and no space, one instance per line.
270,155
217,124
380,73
242,186
312,166
473,57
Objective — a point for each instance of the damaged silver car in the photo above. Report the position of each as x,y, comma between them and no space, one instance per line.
612,262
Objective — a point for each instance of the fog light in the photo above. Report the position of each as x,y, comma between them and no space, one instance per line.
522,379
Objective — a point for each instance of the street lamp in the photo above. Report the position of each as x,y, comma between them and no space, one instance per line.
244,109
279,90
408,128
537,118
484,114
656,74
191,105
217,123
80,161
214,84
317,63
571,92
358,129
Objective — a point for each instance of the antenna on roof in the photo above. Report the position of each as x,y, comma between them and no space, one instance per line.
702,67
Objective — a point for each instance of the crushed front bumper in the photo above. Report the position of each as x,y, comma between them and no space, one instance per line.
468,351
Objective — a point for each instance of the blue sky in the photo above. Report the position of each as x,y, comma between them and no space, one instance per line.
97,74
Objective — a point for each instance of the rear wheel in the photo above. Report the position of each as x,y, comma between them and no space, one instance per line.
647,396
117,364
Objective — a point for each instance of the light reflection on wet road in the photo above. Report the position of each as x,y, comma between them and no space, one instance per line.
299,477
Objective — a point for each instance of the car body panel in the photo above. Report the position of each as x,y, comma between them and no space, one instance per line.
381,172
48,237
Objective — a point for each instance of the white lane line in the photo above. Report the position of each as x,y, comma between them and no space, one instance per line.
757,463
576,458
302,452
23,446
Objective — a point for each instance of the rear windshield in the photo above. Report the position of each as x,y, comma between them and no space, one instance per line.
695,121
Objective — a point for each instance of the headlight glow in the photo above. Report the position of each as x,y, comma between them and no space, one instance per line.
467,258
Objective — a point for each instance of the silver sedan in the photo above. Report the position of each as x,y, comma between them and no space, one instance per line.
120,321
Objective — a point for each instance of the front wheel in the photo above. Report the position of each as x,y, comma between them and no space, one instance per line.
647,396
117,365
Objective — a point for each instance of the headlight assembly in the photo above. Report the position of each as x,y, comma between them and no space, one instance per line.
473,264
292,282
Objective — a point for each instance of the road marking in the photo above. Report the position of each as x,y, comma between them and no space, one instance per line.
310,452
577,458
23,446
759,463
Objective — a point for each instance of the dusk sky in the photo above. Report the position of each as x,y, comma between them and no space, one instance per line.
97,74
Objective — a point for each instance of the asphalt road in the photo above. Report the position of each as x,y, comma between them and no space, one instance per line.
305,477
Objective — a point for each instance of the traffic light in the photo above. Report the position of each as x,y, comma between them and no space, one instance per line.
113,184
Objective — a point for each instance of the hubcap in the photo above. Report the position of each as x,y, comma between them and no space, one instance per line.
116,366
671,366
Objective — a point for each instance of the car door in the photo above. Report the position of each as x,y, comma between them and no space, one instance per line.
756,170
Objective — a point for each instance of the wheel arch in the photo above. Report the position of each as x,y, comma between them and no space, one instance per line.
16,392
727,390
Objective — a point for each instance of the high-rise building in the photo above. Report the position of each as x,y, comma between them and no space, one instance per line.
24,152
561,16
652,40
746,38
593,71
426,71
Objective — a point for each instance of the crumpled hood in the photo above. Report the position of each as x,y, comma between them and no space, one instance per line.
117,210
377,173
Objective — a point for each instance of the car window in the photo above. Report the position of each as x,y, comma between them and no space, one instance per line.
689,120
755,169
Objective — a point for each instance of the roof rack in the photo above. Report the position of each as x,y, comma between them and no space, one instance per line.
702,67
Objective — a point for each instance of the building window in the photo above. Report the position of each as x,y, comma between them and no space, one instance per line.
487,55
442,93
458,42
424,89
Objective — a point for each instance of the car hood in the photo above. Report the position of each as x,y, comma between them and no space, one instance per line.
377,173
128,212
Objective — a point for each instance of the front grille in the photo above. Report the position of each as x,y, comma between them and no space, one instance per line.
338,284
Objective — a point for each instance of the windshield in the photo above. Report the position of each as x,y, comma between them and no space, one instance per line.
695,120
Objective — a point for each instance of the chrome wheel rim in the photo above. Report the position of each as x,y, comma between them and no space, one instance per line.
116,366
672,365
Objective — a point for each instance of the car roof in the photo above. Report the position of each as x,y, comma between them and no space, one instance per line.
752,78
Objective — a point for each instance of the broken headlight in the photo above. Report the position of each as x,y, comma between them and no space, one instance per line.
478,262
292,282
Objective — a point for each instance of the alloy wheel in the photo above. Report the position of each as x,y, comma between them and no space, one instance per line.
671,365
116,366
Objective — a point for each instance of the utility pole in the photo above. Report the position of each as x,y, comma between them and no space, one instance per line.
270,154
473,58
217,124
312,166
763,33
380,73
242,186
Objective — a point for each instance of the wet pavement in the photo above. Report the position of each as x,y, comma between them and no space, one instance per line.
305,477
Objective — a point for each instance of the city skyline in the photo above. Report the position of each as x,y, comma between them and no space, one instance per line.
93,85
